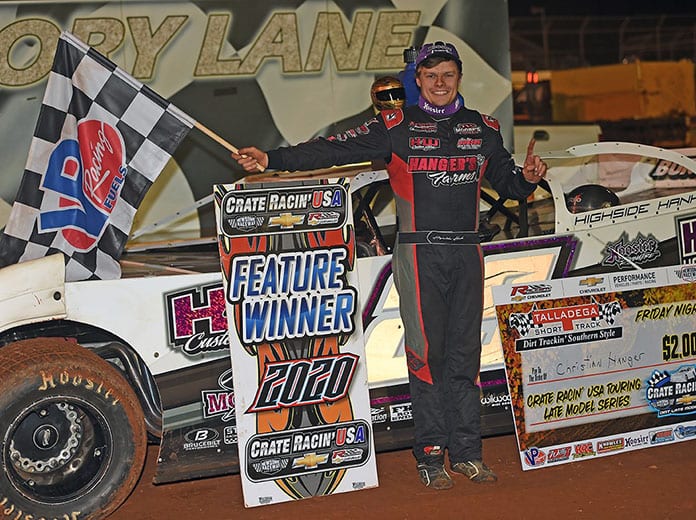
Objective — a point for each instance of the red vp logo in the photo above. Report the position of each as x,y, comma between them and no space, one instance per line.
83,180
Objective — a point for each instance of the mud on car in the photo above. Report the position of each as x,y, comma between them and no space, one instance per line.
92,371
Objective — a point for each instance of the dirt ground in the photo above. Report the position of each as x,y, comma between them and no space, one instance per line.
651,483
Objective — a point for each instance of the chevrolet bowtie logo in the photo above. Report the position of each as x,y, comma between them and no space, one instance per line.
591,281
310,461
686,399
286,220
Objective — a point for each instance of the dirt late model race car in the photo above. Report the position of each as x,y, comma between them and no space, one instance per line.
92,371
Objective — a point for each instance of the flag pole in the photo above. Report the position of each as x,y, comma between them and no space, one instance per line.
215,137
197,204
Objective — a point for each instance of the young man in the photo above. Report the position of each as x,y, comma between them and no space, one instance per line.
437,153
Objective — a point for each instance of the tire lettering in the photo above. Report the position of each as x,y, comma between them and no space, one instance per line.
48,382
21,515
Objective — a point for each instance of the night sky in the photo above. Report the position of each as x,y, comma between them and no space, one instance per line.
602,7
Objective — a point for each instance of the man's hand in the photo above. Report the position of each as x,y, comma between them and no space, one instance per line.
251,159
534,168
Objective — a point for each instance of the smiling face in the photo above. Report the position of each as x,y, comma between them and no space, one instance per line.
439,84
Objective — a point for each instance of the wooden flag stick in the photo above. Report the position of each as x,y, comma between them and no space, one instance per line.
215,137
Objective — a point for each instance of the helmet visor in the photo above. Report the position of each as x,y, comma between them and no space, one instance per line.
392,94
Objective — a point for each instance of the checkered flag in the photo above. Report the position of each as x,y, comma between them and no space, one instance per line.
101,140
607,311
658,378
523,321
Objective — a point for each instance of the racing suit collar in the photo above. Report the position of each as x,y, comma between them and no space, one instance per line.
446,110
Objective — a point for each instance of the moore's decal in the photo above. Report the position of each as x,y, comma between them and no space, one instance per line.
292,295
220,402
271,456
84,178
196,320
686,236
625,253
301,382
281,210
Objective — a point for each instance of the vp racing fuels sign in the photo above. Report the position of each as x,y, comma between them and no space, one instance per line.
283,210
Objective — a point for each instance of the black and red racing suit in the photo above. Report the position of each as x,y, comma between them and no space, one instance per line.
436,166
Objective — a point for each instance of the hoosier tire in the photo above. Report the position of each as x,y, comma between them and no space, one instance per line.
72,433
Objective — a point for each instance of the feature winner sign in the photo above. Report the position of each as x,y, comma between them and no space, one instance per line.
287,254
601,364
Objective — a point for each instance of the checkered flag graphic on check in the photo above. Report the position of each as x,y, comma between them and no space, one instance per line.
608,311
658,377
101,140
523,321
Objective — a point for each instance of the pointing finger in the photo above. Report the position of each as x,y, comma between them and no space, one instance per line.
530,147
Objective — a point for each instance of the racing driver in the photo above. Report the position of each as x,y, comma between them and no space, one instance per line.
437,153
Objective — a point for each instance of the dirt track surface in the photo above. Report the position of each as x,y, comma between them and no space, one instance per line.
651,483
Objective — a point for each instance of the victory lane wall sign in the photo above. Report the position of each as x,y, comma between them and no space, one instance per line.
287,253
